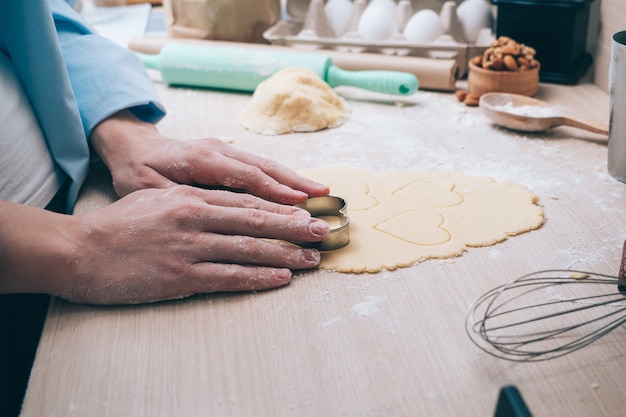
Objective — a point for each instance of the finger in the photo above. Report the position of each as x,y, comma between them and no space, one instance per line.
232,199
279,172
201,278
218,163
261,223
228,213
252,251
212,277
236,174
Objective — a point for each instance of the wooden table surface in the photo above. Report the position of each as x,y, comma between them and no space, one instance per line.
332,344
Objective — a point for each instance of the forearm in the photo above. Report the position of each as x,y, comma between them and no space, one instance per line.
37,254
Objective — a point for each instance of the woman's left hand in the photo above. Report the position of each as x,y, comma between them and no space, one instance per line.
139,157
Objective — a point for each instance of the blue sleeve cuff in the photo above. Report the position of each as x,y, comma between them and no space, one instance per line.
105,77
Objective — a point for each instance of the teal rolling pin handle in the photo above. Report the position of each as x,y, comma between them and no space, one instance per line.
388,82
243,69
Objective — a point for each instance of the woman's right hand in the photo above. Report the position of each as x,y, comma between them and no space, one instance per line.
158,244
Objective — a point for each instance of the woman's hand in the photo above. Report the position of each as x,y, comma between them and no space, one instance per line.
165,240
139,157
156,244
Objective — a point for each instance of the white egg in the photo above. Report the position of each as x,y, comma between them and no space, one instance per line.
378,21
474,15
390,5
423,27
338,13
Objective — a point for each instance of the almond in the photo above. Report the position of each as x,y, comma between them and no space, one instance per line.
471,99
521,61
498,64
510,49
510,63
505,54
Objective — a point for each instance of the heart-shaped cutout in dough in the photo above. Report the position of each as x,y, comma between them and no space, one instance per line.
419,227
408,221
428,192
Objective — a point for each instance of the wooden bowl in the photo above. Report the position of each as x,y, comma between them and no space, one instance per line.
481,81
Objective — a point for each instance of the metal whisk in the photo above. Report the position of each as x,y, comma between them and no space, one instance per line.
547,314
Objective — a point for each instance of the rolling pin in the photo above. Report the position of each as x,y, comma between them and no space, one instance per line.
242,69
438,74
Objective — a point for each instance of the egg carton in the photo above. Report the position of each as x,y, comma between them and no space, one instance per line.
309,26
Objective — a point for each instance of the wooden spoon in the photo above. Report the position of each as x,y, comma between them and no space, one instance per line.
527,114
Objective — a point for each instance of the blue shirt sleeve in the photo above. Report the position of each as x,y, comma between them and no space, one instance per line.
74,79
105,77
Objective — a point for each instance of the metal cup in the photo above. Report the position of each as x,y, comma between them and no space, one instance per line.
617,127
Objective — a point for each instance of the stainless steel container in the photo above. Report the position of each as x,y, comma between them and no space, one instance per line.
617,86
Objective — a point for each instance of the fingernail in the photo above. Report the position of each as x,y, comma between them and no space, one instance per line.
319,228
312,255
283,275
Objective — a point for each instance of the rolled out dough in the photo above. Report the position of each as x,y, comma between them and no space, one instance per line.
400,218
293,100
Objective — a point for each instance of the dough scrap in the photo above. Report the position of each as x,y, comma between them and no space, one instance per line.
293,100
400,218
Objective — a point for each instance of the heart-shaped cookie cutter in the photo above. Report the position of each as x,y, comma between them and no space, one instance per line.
330,206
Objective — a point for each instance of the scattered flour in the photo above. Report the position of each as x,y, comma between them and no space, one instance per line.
331,322
369,307
530,111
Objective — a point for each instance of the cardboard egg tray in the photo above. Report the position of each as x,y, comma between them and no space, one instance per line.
312,30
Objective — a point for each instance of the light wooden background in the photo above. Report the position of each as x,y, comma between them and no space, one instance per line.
330,344
387,344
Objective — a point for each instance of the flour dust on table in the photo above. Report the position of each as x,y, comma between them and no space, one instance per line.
400,218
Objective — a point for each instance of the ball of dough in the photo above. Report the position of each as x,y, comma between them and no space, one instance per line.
293,100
